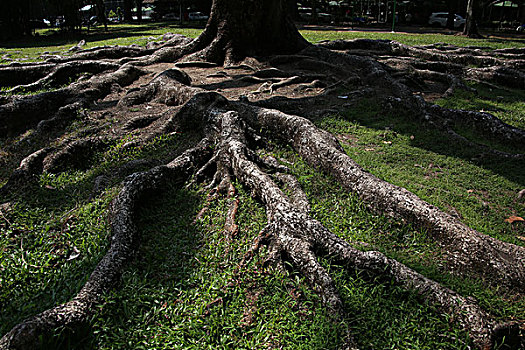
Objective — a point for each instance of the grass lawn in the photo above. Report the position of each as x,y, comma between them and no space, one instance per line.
140,34
183,289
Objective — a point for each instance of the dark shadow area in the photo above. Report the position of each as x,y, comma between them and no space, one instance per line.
234,82
163,260
98,34
368,112
437,141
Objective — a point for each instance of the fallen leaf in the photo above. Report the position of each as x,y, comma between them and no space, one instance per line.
521,194
521,237
513,218
387,142
470,191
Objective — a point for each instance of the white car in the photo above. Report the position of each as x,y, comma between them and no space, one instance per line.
440,19
197,16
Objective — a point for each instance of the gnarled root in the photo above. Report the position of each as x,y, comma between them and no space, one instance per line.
298,238
23,112
26,335
228,152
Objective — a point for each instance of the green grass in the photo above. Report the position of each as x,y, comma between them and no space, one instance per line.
508,104
51,42
412,39
183,290
482,191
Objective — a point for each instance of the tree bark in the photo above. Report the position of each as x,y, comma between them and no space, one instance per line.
471,27
240,28
127,11
138,3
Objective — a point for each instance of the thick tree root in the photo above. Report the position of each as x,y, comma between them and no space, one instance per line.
29,167
468,251
27,334
485,123
62,74
23,112
298,237
441,53
228,152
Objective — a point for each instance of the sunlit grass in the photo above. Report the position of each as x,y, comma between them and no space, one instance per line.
49,41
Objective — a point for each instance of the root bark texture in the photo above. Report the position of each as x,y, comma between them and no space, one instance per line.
233,131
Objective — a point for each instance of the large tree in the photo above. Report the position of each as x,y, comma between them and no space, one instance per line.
256,40
237,29
471,25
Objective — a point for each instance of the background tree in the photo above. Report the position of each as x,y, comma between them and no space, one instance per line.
127,5
138,5
14,18
471,26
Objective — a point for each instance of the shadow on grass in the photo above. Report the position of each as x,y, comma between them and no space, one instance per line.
439,142
163,261
58,38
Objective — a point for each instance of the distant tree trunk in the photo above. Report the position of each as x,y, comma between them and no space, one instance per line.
451,7
471,27
138,3
315,17
14,19
71,15
240,28
101,13
292,9
127,10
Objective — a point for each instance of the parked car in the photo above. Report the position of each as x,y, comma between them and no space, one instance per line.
170,17
439,19
306,15
197,16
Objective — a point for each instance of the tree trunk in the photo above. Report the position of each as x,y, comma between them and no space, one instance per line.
139,10
127,11
240,28
101,13
471,27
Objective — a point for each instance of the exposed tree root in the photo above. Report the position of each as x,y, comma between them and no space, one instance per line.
22,112
62,74
233,131
496,260
26,335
